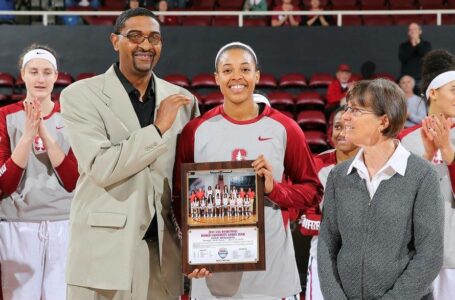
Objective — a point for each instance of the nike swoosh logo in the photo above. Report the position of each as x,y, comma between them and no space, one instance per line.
40,52
261,139
59,127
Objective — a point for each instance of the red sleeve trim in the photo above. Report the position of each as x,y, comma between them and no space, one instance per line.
67,171
10,177
305,190
10,173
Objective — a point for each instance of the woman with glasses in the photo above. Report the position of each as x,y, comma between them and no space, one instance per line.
38,173
381,234
311,218
434,140
253,131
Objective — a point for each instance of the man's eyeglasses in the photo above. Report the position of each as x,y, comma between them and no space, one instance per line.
137,38
356,112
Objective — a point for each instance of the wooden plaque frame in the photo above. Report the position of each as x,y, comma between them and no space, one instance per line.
219,243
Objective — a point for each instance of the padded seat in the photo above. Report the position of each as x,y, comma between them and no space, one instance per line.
320,80
281,100
203,80
309,101
293,80
213,99
266,81
316,140
379,20
178,79
312,120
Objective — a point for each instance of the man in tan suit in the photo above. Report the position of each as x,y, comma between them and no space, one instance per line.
123,127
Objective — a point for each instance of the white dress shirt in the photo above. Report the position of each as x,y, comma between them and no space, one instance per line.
396,164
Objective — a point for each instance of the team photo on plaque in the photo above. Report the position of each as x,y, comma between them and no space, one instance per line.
223,217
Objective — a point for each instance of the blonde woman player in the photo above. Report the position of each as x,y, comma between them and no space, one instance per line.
38,173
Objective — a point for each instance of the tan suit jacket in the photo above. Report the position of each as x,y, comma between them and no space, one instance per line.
125,177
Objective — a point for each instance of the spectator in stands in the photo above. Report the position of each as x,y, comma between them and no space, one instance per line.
381,235
133,4
417,109
123,234
7,5
255,5
38,173
84,3
286,20
412,51
239,117
336,91
316,20
434,141
165,20
311,218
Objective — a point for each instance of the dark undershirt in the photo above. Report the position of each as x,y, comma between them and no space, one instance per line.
145,111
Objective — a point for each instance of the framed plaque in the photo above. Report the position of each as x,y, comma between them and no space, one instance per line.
222,217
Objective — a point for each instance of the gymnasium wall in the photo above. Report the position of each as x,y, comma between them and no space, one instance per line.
192,50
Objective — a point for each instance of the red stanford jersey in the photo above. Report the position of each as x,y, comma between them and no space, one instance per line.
411,139
39,192
216,137
311,218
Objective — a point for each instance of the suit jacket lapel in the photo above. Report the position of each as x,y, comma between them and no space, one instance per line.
119,102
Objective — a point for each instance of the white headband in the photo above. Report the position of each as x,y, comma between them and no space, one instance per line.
439,81
258,98
236,44
39,53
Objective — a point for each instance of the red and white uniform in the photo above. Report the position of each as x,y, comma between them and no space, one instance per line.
310,222
283,144
34,210
444,285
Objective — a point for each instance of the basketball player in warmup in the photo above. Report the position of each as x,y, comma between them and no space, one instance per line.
210,207
434,140
203,207
217,203
217,190
284,152
224,211
239,205
232,204
38,173
246,206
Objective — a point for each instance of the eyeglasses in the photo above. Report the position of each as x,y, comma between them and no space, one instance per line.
356,112
137,38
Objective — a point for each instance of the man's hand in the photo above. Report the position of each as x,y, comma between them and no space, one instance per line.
168,109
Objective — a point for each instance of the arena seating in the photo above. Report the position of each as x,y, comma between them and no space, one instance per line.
294,95
236,5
